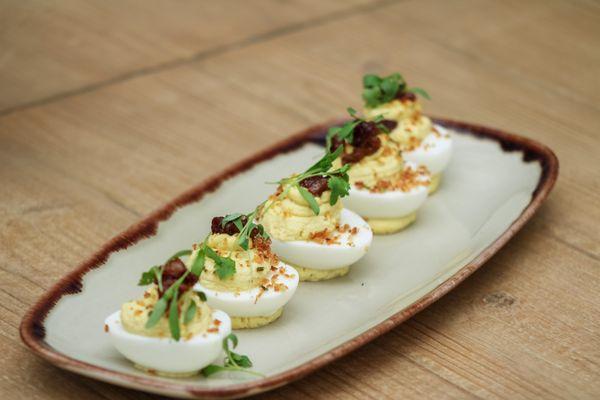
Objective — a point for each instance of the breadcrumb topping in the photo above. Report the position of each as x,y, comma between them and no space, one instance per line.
329,237
404,181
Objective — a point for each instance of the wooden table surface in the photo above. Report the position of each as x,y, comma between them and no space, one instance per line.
109,109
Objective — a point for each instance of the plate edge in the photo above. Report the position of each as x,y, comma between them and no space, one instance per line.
32,329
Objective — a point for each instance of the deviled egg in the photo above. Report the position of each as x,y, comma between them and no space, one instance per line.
170,330
385,189
420,141
241,275
309,226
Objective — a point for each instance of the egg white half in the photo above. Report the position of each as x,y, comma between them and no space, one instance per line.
166,354
315,255
392,204
244,303
434,152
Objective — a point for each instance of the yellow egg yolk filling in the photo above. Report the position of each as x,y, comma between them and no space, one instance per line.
287,216
412,126
135,314
252,266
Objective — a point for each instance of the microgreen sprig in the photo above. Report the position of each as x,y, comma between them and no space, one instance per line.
345,133
245,230
337,180
233,362
380,90
170,297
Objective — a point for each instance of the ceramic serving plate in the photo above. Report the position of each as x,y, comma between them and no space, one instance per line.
493,185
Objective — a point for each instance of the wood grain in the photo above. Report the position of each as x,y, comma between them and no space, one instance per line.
52,49
78,168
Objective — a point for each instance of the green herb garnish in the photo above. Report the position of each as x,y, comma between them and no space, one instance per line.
310,199
161,305
153,274
233,362
380,90
419,91
171,295
224,267
190,312
198,264
174,316
345,133
322,168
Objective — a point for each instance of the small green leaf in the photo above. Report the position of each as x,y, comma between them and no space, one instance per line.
229,218
380,90
238,224
241,360
351,111
198,264
420,92
331,133
233,362
224,267
190,312
310,199
370,80
149,276
390,87
243,242
161,305
202,296
157,312
213,369
234,341
371,96
174,317
339,188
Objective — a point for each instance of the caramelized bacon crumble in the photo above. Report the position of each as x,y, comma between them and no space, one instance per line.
229,228
171,272
316,185
365,142
389,124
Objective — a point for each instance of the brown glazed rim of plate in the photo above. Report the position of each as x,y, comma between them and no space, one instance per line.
32,327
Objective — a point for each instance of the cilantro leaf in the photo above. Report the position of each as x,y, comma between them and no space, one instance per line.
370,80
339,188
224,267
148,277
232,359
310,199
380,90
241,360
